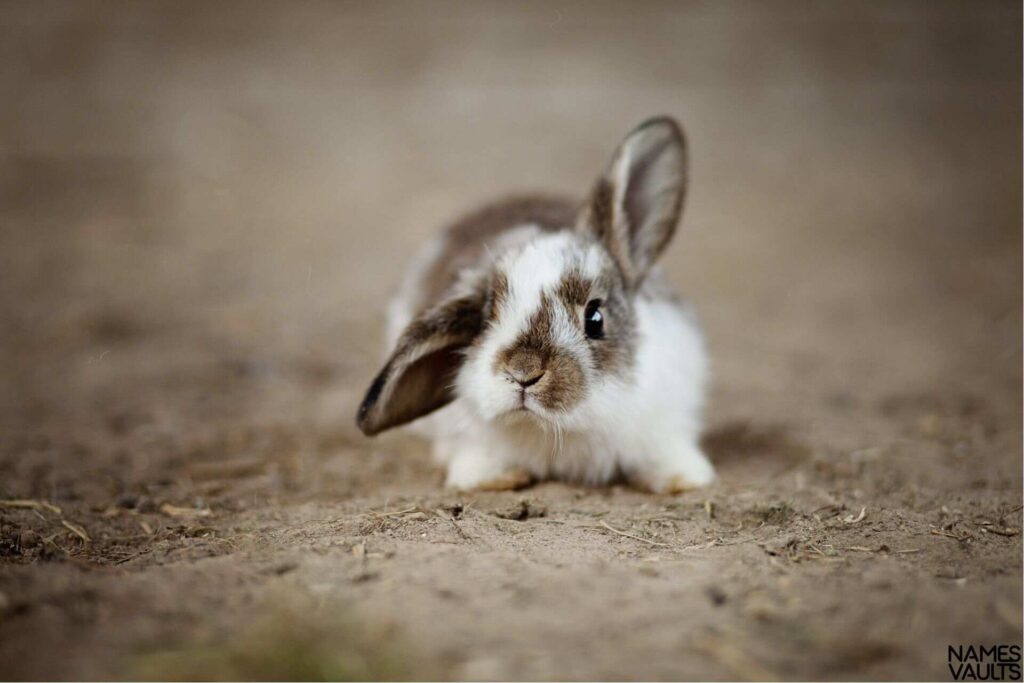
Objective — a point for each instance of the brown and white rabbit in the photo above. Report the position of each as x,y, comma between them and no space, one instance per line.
551,341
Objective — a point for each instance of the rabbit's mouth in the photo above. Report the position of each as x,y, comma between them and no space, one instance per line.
526,411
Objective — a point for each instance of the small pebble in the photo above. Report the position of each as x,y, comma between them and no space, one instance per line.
128,501
716,595
29,539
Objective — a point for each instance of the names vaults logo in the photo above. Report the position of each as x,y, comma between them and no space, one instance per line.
984,663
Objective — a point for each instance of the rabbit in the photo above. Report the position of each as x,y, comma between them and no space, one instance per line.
548,340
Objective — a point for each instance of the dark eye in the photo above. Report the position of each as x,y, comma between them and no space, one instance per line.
593,320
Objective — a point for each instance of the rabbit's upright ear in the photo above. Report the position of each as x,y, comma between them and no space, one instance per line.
419,376
635,205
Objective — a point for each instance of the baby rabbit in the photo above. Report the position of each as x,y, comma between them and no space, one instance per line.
551,340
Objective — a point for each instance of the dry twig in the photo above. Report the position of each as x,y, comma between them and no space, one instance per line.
636,538
395,513
850,519
30,504
175,511
76,530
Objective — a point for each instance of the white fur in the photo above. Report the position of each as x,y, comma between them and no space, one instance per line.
645,425
402,307
533,269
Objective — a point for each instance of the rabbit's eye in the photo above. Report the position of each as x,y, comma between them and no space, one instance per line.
593,321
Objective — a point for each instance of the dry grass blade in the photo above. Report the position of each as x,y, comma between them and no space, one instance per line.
30,504
850,519
175,511
701,546
395,513
636,538
458,529
76,530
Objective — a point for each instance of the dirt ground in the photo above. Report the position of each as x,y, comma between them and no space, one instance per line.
203,210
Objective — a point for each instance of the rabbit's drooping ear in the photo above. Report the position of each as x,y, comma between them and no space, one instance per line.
635,206
418,377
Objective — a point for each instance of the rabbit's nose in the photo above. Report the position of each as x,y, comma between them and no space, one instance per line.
524,368
527,380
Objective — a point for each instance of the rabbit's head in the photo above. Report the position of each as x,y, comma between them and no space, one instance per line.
535,333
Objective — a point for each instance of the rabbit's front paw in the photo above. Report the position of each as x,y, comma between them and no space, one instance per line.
474,469
509,480
680,469
681,483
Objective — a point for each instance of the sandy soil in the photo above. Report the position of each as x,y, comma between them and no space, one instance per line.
204,208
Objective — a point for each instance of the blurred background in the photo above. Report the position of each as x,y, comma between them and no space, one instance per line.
205,205
261,173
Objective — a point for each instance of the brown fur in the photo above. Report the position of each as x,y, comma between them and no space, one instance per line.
647,244
498,295
418,377
615,353
600,210
535,343
466,241
563,383
638,232
575,290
